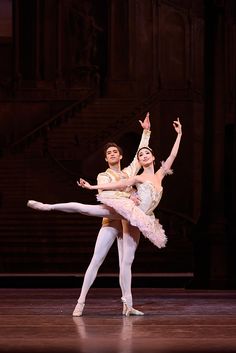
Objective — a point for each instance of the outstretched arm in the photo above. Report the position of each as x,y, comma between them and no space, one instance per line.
116,185
178,128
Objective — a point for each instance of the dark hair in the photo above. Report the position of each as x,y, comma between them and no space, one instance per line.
147,148
112,144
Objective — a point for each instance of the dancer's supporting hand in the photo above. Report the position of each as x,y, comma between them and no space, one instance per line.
84,184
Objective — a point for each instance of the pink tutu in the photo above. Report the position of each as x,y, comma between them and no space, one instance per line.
149,226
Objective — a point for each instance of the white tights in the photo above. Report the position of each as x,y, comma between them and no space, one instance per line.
127,245
88,210
127,237
126,248
105,239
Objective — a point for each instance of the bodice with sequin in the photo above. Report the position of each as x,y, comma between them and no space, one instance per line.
149,196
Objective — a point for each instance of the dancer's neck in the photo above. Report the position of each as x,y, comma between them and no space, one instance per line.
148,170
116,167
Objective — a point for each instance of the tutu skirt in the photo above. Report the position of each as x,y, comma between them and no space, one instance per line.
148,225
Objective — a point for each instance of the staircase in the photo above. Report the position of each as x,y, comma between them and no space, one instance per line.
35,242
89,129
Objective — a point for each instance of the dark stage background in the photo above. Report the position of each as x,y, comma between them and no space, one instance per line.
77,74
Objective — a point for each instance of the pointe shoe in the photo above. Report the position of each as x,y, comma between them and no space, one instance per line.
129,310
39,206
133,311
78,311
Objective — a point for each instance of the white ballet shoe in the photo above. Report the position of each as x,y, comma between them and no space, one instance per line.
78,311
129,310
39,206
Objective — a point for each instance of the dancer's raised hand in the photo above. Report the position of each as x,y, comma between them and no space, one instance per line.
146,122
177,126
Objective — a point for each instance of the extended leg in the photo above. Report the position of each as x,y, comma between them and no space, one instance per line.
76,207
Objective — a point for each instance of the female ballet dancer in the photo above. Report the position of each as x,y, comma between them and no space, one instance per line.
118,205
149,192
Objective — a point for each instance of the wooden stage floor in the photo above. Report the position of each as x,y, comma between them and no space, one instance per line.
176,320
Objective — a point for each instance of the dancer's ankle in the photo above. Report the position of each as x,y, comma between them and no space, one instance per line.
78,310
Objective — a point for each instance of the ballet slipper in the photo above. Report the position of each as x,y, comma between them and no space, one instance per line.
39,206
129,310
78,311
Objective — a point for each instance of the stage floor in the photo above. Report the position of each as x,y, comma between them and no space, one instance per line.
176,320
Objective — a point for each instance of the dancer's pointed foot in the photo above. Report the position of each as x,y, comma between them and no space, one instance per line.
78,311
133,311
39,206
129,310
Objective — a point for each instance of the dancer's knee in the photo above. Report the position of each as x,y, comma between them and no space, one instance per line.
127,261
97,261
